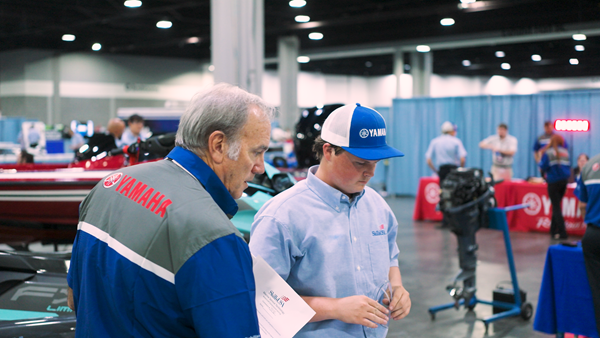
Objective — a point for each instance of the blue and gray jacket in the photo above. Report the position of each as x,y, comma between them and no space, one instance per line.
157,256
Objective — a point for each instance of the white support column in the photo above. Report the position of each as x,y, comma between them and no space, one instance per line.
237,43
54,115
398,69
421,67
288,68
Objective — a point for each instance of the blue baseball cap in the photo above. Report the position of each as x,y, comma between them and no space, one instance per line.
360,131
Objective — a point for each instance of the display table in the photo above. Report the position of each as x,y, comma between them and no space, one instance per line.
535,218
539,214
565,300
428,196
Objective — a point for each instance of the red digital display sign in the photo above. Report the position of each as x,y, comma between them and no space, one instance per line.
572,125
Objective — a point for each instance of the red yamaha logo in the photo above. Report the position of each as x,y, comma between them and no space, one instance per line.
112,180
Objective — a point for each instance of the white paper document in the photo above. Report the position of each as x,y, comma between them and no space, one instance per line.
281,312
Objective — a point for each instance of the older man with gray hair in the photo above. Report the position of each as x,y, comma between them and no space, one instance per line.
156,254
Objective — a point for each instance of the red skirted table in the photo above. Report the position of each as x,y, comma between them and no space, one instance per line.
535,218
539,214
428,197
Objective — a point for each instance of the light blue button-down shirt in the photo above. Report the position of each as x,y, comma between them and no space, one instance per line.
325,245
446,149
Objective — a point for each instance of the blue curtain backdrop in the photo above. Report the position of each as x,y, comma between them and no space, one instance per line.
413,123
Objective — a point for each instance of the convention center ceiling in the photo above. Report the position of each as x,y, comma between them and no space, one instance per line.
514,38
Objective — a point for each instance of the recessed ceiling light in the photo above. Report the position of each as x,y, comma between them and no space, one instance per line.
211,68
68,37
423,48
579,37
315,36
574,61
303,59
536,57
297,3
505,66
164,24
193,39
302,18
466,63
579,48
447,22
132,3
96,47
500,54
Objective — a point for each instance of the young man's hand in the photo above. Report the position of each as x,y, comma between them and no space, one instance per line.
361,310
400,305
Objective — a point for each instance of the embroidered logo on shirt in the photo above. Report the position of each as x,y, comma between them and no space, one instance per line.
380,232
111,180
147,198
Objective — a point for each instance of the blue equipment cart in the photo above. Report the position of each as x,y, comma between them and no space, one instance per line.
497,220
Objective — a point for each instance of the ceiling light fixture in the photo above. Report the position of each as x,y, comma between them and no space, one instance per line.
96,47
68,37
423,48
447,22
505,66
574,61
315,36
211,68
536,57
467,1
303,59
500,54
466,63
579,48
164,24
297,3
132,3
302,18
193,39
579,37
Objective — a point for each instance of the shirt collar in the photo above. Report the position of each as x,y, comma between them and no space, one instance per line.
207,177
330,195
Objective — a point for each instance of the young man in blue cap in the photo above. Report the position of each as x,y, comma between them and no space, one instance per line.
332,238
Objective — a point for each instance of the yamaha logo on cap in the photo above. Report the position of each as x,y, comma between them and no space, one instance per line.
359,130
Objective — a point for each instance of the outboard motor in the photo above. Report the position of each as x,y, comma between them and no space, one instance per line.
465,198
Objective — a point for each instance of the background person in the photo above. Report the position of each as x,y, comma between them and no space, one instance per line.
543,140
503,147
447,150
582,159
135,124
116,127
332,238
588,190
556,165
156,254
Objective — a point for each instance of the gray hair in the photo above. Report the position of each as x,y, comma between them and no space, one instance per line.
223,107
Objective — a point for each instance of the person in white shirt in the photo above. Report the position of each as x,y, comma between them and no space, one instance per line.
135,124
503,147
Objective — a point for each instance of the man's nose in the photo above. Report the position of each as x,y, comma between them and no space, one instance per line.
259,166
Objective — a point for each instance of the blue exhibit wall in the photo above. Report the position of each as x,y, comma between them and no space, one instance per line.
413,123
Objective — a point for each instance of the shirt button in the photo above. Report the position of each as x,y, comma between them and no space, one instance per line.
354,239
337,208
358,268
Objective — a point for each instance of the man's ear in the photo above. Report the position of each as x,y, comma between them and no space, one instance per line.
217,147
328,151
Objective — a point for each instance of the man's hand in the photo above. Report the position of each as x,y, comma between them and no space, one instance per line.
400,305
361,310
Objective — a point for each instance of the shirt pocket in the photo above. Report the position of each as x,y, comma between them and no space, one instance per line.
379,254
